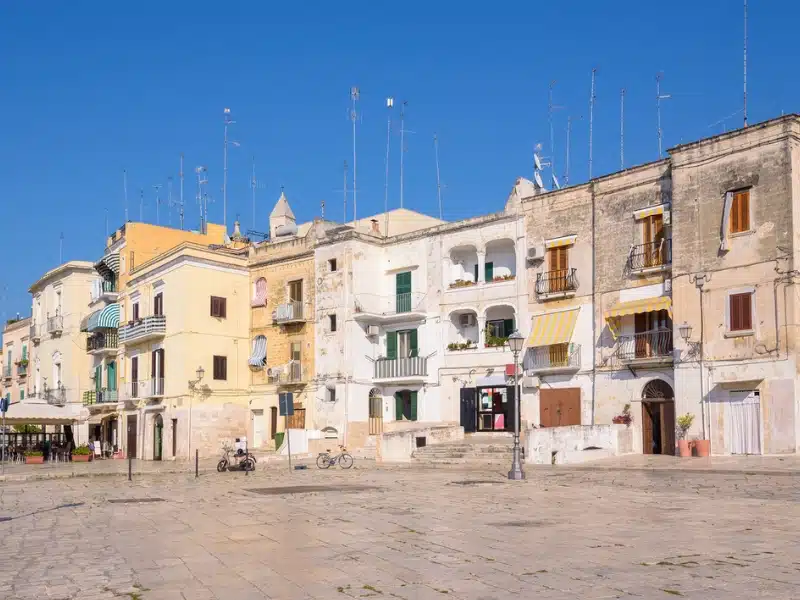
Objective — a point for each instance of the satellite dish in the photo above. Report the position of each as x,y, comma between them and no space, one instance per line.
538,180
537,163
555,183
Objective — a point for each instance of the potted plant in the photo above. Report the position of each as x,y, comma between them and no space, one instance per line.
702,447
81,454
684,423
625,418
34,457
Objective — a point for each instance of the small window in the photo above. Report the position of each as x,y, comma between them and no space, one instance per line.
331,394
332,265
221,368
740,212
158,304
219,307
332,323
135,311
296,291
741,312
296,350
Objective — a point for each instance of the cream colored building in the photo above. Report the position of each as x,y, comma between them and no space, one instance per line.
16,359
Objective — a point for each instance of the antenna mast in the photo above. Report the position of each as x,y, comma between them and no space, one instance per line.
125,189
253,186
169,201
344,191
622,128
566,158
591,120
389,105
550,108
157,187
106,222
61,248
402,145
141,205
745,63
659,98
354,94
438,181
228,121
202,197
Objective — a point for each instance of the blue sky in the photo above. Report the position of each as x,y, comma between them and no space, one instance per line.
90,88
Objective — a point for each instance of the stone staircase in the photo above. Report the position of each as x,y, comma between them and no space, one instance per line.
473,450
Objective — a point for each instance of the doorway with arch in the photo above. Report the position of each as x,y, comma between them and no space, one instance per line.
658,418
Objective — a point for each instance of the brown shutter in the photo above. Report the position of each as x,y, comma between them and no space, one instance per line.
741,312
223,308
740,212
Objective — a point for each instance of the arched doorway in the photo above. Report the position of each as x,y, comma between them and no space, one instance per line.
158,438
658,418
375,412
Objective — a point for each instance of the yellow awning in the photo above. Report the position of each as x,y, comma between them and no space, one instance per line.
552,328
649,211
632,307
566,240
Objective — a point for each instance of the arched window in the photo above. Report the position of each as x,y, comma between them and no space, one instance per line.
260,292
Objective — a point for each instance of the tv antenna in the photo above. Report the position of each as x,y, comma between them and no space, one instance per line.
141,205
622,128
438,180
157,187
403,148
227,121
125,191
202,196
550,108
538,165
745,63
106,221
659,98
180,174
592,99
354,96
568,149
389,106
253,184
344,191
170,203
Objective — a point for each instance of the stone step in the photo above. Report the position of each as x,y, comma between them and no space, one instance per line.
461,454
465,461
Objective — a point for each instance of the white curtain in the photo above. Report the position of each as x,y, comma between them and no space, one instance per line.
743,422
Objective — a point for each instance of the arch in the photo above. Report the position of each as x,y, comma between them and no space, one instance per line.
657,389
375,413
500,304
330,433
260,292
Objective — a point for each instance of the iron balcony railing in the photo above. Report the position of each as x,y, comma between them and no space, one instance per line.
102,397
157,386
397,368
651,255
645,345
56,396
288,312
108,286
22,370
55,324
151,326
36,332
133,389
102,341
7,371
389,305
555,357
556,282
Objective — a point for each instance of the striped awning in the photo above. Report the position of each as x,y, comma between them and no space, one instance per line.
633,307
107,318
258,358
109,263
260,292
552,328
650,211
85,321
566,240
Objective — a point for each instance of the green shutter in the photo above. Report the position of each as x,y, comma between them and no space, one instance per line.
488,270
413,415
24,353
398,406
391,344
98,378
412,338
476,272
403,282
111,376
21,395
508,326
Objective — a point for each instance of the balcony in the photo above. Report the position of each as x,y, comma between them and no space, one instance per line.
288,374
412,369
55,325
552,285
148,328
289,312
93,397
102,343
7,372
651,257
372,308
22,369
558,358
646,348
105,290
146,388
56,396
36,333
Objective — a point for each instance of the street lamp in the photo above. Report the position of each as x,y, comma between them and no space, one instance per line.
515,343
200,373
685,330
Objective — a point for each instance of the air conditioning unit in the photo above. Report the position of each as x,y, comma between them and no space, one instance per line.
531,381
536,253
667,217
372,330
668,286
467,320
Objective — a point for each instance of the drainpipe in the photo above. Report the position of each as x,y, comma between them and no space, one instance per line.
699,281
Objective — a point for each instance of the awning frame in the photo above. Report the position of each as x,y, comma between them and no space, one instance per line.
552,328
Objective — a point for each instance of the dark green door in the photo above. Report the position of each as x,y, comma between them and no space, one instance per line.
111,376
403,292
158,440
488,271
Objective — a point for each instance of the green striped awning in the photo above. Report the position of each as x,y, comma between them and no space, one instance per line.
108,264
108,318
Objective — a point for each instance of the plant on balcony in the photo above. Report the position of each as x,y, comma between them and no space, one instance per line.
23,362
494,341
508,277
459,283
625,417
456,346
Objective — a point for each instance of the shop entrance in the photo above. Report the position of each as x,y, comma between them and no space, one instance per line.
495,409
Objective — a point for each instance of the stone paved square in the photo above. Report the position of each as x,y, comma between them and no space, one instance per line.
401,532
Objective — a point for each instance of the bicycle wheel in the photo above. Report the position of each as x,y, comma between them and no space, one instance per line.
345,461
222,465
323,461
249,464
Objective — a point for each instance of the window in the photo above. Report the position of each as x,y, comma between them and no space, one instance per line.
401,344
158,304
135,311
558,259
501,328
331,394
296,291
219,307
652,229
135,369
296,350
332,323
740,212
21,395
332,265
741,312
488,271
221,368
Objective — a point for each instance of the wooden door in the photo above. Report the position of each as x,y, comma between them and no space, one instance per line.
647,429
558,260
469,410
667,427
560,407
273,422
132,431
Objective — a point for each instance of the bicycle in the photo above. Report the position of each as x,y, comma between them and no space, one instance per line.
325,460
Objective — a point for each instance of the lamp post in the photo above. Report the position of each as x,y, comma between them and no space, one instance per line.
515,343
193,387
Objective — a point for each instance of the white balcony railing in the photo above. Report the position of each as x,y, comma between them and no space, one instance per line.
146,328
55,325
146,388
397,304
288,312
401,368
290,373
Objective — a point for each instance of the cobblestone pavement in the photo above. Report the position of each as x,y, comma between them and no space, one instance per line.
403,533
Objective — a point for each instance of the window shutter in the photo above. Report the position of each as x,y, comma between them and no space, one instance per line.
413,415
98,379
111,376
412,339
488,271
223,308
403,282
24,353
21,395
391,344
508,327
135,368
398,406
476,273
213,306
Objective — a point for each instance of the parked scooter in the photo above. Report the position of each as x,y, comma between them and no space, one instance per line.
242,460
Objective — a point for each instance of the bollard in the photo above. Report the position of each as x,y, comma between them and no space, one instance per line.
196,464
130,463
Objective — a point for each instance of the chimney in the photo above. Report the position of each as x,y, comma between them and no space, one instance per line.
375,228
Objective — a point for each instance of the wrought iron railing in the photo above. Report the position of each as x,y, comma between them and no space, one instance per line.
651,255
557,356
22,370
7,371
288,311
102,341
389,305
55,324
645,345
393,368
154,324
555,282
102,397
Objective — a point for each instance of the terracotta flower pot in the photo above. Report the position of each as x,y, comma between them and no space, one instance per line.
81,457
684,449
703,447
34,460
